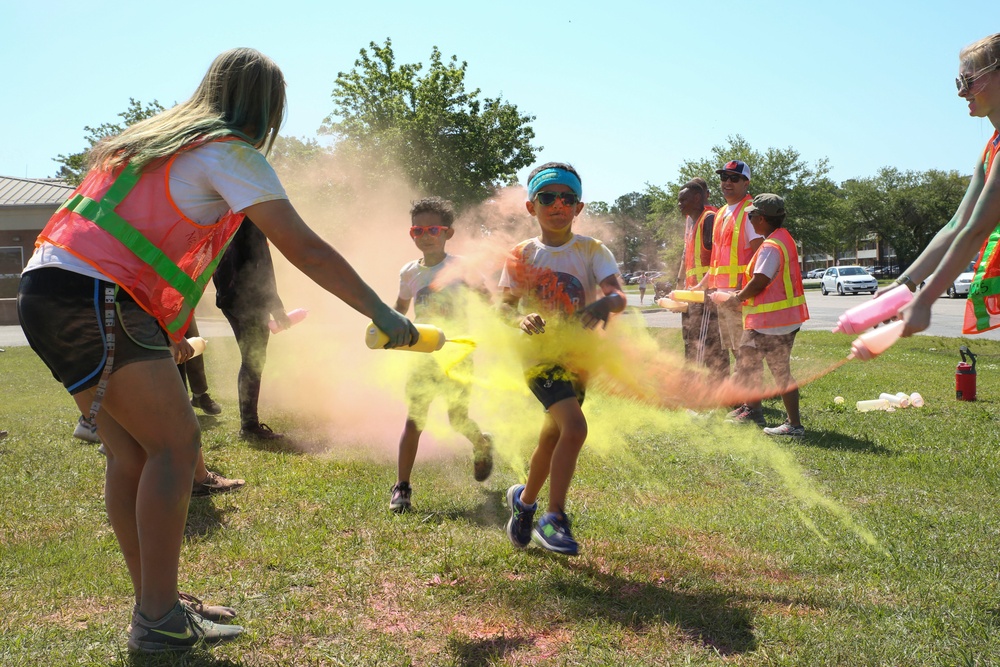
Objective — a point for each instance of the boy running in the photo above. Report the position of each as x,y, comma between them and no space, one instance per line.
434,284
556,278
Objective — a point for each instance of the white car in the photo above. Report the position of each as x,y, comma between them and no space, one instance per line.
848,280
961,284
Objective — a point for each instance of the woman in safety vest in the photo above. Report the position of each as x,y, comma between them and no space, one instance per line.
114,280
774,308
975,227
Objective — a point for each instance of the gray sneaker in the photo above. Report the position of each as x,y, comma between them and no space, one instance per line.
787,429
85,430
399,500
180,630
482,458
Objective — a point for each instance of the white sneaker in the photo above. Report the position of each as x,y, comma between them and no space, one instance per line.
86,431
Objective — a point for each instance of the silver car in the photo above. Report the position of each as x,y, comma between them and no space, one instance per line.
961,285
848,280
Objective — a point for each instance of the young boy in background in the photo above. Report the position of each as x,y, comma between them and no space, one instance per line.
557,278
436,285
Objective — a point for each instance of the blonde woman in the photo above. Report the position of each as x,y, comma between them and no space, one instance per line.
976,224
113,283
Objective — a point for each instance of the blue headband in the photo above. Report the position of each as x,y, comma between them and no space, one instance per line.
554,176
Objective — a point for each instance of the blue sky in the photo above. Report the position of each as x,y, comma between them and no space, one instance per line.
626,91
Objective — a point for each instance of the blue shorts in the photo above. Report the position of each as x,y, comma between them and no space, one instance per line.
62,315
552,383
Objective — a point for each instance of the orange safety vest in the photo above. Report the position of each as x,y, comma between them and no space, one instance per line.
982,310
126,225
694,267
783,301
730,247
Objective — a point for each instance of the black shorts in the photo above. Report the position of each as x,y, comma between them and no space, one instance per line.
551,384
62,315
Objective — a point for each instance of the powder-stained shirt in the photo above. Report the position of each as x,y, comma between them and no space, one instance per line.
436,291
558,279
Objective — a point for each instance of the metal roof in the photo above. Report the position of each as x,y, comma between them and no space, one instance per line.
33,191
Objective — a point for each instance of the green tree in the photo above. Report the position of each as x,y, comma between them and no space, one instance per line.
904,209
74,165
816,213
635,241
390,118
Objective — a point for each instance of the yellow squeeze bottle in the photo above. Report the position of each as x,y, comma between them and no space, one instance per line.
691,296
431,338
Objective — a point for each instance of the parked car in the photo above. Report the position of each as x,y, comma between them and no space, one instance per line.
815,273
848,280
961,285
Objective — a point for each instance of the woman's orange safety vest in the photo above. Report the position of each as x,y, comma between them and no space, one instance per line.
783,301
126,225
982,310
730,247
694,267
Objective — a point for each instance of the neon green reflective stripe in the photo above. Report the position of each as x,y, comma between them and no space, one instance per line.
103,215
734,246
790,300
105,218
983,287
697,271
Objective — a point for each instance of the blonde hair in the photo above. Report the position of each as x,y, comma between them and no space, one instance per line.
242,94
981,54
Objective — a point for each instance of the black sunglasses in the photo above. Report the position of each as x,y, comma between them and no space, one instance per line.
735,178
964,82
549,198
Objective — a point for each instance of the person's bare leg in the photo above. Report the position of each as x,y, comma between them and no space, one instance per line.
408,443
125,461
148,402
572,425
791,401
538,468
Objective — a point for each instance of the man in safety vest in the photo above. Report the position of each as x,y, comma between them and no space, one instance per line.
700,321
774,308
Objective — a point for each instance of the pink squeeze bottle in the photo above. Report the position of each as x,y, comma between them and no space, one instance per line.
864,315
869,345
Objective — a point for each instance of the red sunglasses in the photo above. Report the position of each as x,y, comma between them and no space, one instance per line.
432,230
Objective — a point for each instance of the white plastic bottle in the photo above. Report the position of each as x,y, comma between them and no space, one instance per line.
896,401
876,404
199,344
916,400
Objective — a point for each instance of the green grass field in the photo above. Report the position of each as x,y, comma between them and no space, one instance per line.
872,541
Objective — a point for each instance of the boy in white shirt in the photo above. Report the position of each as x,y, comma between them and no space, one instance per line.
558,277
435,284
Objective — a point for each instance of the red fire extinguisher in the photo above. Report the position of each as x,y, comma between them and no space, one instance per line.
965,376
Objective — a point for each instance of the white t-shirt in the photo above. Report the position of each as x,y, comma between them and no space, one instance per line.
559,278
768,262
434,289
205,183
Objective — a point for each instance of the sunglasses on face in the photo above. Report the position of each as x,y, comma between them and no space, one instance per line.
433,230
549,198
735,178
964,82
755,214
